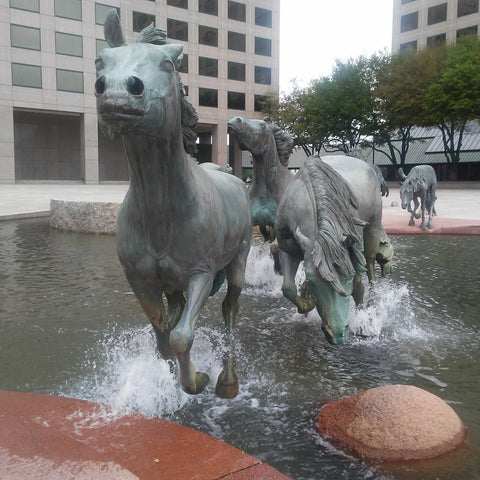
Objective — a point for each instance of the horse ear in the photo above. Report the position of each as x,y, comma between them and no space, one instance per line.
113,30
402,176
267,120
175,52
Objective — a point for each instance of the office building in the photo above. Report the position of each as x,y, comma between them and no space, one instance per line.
47,105
421,23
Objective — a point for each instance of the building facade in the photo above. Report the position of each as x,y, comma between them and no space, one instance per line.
421,23
47,74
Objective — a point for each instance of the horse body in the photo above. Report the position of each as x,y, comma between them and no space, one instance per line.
318,222
181,226
420,183
363,182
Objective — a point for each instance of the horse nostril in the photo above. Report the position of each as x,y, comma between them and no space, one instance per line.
100,86
135,86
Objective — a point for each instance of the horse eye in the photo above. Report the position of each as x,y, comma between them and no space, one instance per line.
167,65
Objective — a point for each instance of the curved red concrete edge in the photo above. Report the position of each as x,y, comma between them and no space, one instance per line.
43,436
398,225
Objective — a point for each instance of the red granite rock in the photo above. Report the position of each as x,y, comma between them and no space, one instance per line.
396,422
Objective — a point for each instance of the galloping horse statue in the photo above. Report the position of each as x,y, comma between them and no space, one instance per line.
181,228
319,221
421,183
271,148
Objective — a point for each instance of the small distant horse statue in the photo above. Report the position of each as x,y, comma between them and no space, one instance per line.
181,228
319,222
421,183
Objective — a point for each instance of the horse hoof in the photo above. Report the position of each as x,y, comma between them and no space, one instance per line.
430,226
411,223
227,391
417,216
201,381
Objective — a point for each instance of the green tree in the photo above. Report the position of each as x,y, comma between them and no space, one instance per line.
453,100
402,84
290,114
340,106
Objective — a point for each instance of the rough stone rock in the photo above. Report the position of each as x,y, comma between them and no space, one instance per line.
84,217
396,422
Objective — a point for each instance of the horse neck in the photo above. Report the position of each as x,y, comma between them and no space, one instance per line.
160,174
268,172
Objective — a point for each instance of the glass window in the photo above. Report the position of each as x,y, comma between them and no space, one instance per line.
208,35
208,66
236,100
184,65
26,75
259,102
100,45
236,41
467,31
177,30
263,75
437,14
67,44
263,17
178,3
69,81
409,46
208,6
208,97
236,71
436,40
467,7
69,9
101,12
409,22
142,20
237,11
263,46
32,5
407,1
25,37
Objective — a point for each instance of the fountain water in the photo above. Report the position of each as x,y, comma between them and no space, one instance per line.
71,326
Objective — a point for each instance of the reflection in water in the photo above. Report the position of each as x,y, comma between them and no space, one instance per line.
71,326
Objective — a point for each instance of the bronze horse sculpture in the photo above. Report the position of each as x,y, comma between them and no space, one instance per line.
319,222
270,148
181,228
420,183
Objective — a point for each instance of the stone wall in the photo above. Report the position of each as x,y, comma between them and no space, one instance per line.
84,217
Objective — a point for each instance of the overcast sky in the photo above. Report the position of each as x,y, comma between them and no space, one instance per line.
314,33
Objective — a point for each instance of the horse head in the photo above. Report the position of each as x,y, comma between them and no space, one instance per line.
138,88
264,139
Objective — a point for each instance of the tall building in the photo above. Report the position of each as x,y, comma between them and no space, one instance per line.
47,74
421,23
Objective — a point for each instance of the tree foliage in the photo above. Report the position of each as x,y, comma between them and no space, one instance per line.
384,97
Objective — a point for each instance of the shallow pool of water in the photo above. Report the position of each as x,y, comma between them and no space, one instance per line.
71,326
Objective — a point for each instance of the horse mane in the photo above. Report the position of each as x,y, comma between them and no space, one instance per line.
283,141
336,209
416,178
189,116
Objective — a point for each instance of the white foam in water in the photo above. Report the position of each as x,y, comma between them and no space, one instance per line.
134,377
387,308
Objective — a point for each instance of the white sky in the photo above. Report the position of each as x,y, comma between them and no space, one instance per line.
314,33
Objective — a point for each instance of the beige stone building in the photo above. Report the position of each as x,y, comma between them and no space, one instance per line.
47,74
421,23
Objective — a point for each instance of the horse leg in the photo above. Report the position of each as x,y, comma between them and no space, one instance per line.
182,336
431,206
274,249
289,266
227,382
423,226
358,290
413,213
